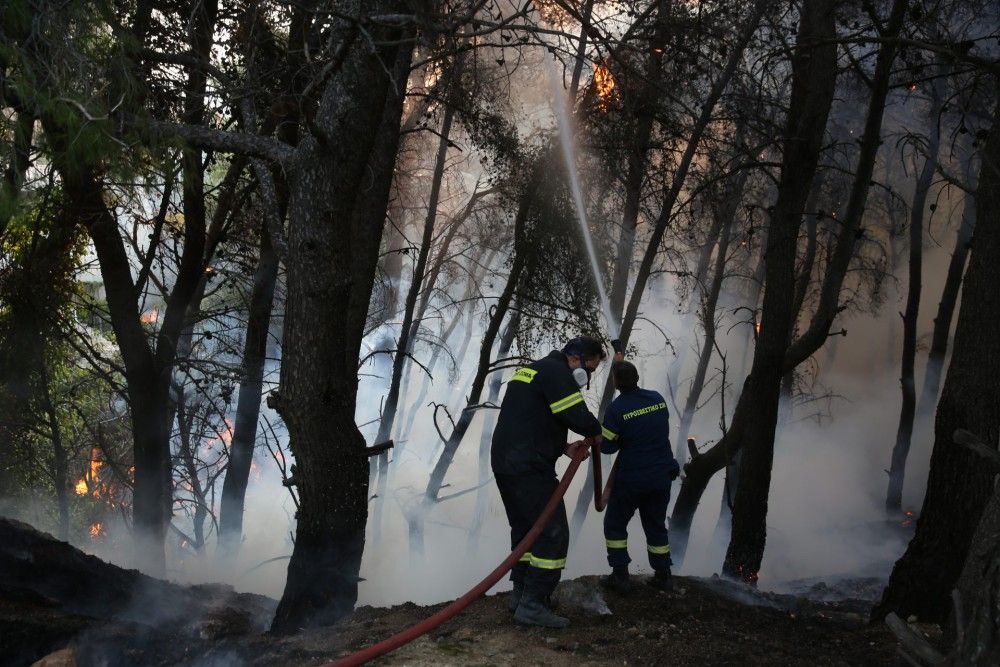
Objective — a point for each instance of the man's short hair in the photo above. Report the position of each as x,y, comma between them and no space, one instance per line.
586,347
626,375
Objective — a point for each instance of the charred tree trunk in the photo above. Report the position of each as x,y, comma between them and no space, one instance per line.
407,331
959,486
60,457
489,422
813,81
666,214
486,347
333,244
946,307
904,431
727,215
746,546
234,486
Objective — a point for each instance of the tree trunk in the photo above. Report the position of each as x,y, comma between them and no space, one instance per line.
234,486
904,431
731,199
497,317
489,423
333,244
60,458
407,330
946,307
958,485
746,546
666,214
813,82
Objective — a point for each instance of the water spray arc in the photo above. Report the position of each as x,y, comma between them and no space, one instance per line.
561,108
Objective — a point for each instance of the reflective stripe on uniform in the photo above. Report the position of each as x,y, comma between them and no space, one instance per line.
547,563
608,433
525,558
524,375
653,549
568,402
617,544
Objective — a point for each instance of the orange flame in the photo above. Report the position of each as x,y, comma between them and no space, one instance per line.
756,327
96,530
150,316
90,479
604,86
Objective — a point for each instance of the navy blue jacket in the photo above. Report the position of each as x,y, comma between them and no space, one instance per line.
638,424
541,403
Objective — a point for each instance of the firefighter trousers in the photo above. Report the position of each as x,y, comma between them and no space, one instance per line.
652,505
524,497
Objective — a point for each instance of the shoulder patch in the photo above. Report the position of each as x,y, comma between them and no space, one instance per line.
524,375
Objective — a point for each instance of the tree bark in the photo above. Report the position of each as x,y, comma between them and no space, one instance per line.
946,306
666,214
234,486
959,486
486,347
814,74
333,246
904,431
727,215
407,330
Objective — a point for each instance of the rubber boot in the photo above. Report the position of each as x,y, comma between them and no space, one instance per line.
662,581
515,596
619,580
533,609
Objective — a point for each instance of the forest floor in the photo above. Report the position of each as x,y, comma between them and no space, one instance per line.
67,608
704,622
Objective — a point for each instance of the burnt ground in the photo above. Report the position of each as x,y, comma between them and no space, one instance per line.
705,622
51,604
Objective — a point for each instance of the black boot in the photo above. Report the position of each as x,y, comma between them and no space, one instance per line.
515,596
533,609
662,581
619,580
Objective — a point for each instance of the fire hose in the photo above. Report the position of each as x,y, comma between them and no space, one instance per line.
601,497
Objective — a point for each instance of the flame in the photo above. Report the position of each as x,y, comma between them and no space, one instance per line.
90,479
604,86
96,530
150,316
908,519
225,436
756,328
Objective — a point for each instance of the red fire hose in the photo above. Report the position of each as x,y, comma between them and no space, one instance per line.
406,636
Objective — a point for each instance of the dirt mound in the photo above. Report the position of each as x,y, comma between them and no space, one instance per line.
52,593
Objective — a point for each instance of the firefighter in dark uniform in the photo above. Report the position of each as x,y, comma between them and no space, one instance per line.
636,424
542,401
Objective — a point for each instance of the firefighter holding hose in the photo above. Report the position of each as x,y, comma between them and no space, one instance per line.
542,401
637,424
